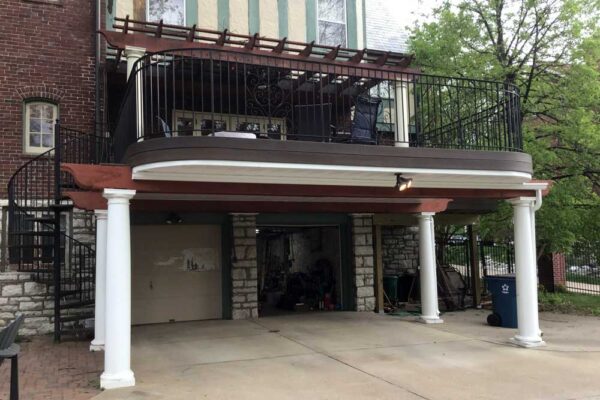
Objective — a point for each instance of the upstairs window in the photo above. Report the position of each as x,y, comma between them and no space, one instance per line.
331,22
39,126
172,12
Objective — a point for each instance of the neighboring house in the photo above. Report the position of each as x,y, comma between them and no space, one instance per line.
240,163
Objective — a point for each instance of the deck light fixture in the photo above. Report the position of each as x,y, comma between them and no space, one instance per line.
403,183
173,218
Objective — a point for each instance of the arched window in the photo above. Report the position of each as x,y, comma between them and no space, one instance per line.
40,117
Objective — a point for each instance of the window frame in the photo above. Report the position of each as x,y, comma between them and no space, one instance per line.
184,12
27,147
333,22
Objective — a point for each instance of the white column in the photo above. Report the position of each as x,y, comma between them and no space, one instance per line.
528,334
402,113
428,276
99,309
117,349
132,54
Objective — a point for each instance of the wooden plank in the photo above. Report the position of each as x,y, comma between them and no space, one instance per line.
378,269
474,254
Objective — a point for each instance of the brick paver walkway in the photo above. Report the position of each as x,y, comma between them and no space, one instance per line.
48,371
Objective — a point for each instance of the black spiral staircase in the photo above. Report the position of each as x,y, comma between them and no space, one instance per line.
38,236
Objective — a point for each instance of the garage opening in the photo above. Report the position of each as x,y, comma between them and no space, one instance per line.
299,269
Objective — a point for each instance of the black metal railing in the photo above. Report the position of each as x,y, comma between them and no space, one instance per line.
216,92
494,258
582,269
38,238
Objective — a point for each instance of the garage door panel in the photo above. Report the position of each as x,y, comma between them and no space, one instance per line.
176,273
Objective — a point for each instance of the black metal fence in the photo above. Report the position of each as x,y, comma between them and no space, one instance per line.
582,272
203,92
493,258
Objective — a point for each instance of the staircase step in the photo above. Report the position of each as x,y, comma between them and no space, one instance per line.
62,207
77,304
33,233
76,317
45,220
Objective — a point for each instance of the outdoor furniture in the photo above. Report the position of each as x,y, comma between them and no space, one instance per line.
164,127
10,350
313,122
364,124
239,135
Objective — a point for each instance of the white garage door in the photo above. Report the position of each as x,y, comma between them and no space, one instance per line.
176,273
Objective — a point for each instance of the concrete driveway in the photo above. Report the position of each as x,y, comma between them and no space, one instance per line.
362,356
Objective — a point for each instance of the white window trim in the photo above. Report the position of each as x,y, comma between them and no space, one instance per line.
184,12
333,22
26,139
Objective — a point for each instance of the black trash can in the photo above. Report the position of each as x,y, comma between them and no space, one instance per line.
390,287
504,300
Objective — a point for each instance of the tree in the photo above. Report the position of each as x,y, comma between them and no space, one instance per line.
551,50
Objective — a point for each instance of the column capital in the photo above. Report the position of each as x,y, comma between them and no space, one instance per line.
522,201
134,51
101,214
425,215
117,195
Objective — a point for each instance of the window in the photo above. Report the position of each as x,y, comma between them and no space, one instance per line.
172,12
39,126
331,22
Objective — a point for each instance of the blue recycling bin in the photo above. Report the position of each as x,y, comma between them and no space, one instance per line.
504,300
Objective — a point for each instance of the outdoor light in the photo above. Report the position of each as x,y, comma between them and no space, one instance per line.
173,218
403,183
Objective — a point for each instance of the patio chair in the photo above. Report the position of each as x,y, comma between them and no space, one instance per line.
10,350
364,124
164,127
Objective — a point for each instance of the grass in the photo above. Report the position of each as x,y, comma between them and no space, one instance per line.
569,303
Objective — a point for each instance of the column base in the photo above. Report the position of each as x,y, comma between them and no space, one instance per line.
96,346
527,342
430,320
119,380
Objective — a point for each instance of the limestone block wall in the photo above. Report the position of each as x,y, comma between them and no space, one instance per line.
244,280
400,249
364,262
19,294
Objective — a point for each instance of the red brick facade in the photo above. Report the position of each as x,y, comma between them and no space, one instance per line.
559,271
47,50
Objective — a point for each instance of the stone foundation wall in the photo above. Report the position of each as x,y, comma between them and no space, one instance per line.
400,249
19,294
84,227
364,262
244,280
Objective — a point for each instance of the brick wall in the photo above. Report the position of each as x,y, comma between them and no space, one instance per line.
559,269
47,50
244,280
364,262
400,249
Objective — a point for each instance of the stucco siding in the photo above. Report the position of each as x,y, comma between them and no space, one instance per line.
207,14
297,20
238,16
269,18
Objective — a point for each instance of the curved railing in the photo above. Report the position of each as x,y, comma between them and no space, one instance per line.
38,240
202,91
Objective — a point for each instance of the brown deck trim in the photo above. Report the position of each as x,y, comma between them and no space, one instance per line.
88,200
278,151
98,177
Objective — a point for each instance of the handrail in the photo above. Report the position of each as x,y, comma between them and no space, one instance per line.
232,90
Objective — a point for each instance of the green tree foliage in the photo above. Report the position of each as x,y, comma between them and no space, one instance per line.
551,50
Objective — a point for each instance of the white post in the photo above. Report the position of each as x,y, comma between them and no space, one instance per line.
528,334
132,54
117,350
99,309
401,99
428,276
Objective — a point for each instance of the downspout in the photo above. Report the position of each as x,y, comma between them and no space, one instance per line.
97,116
